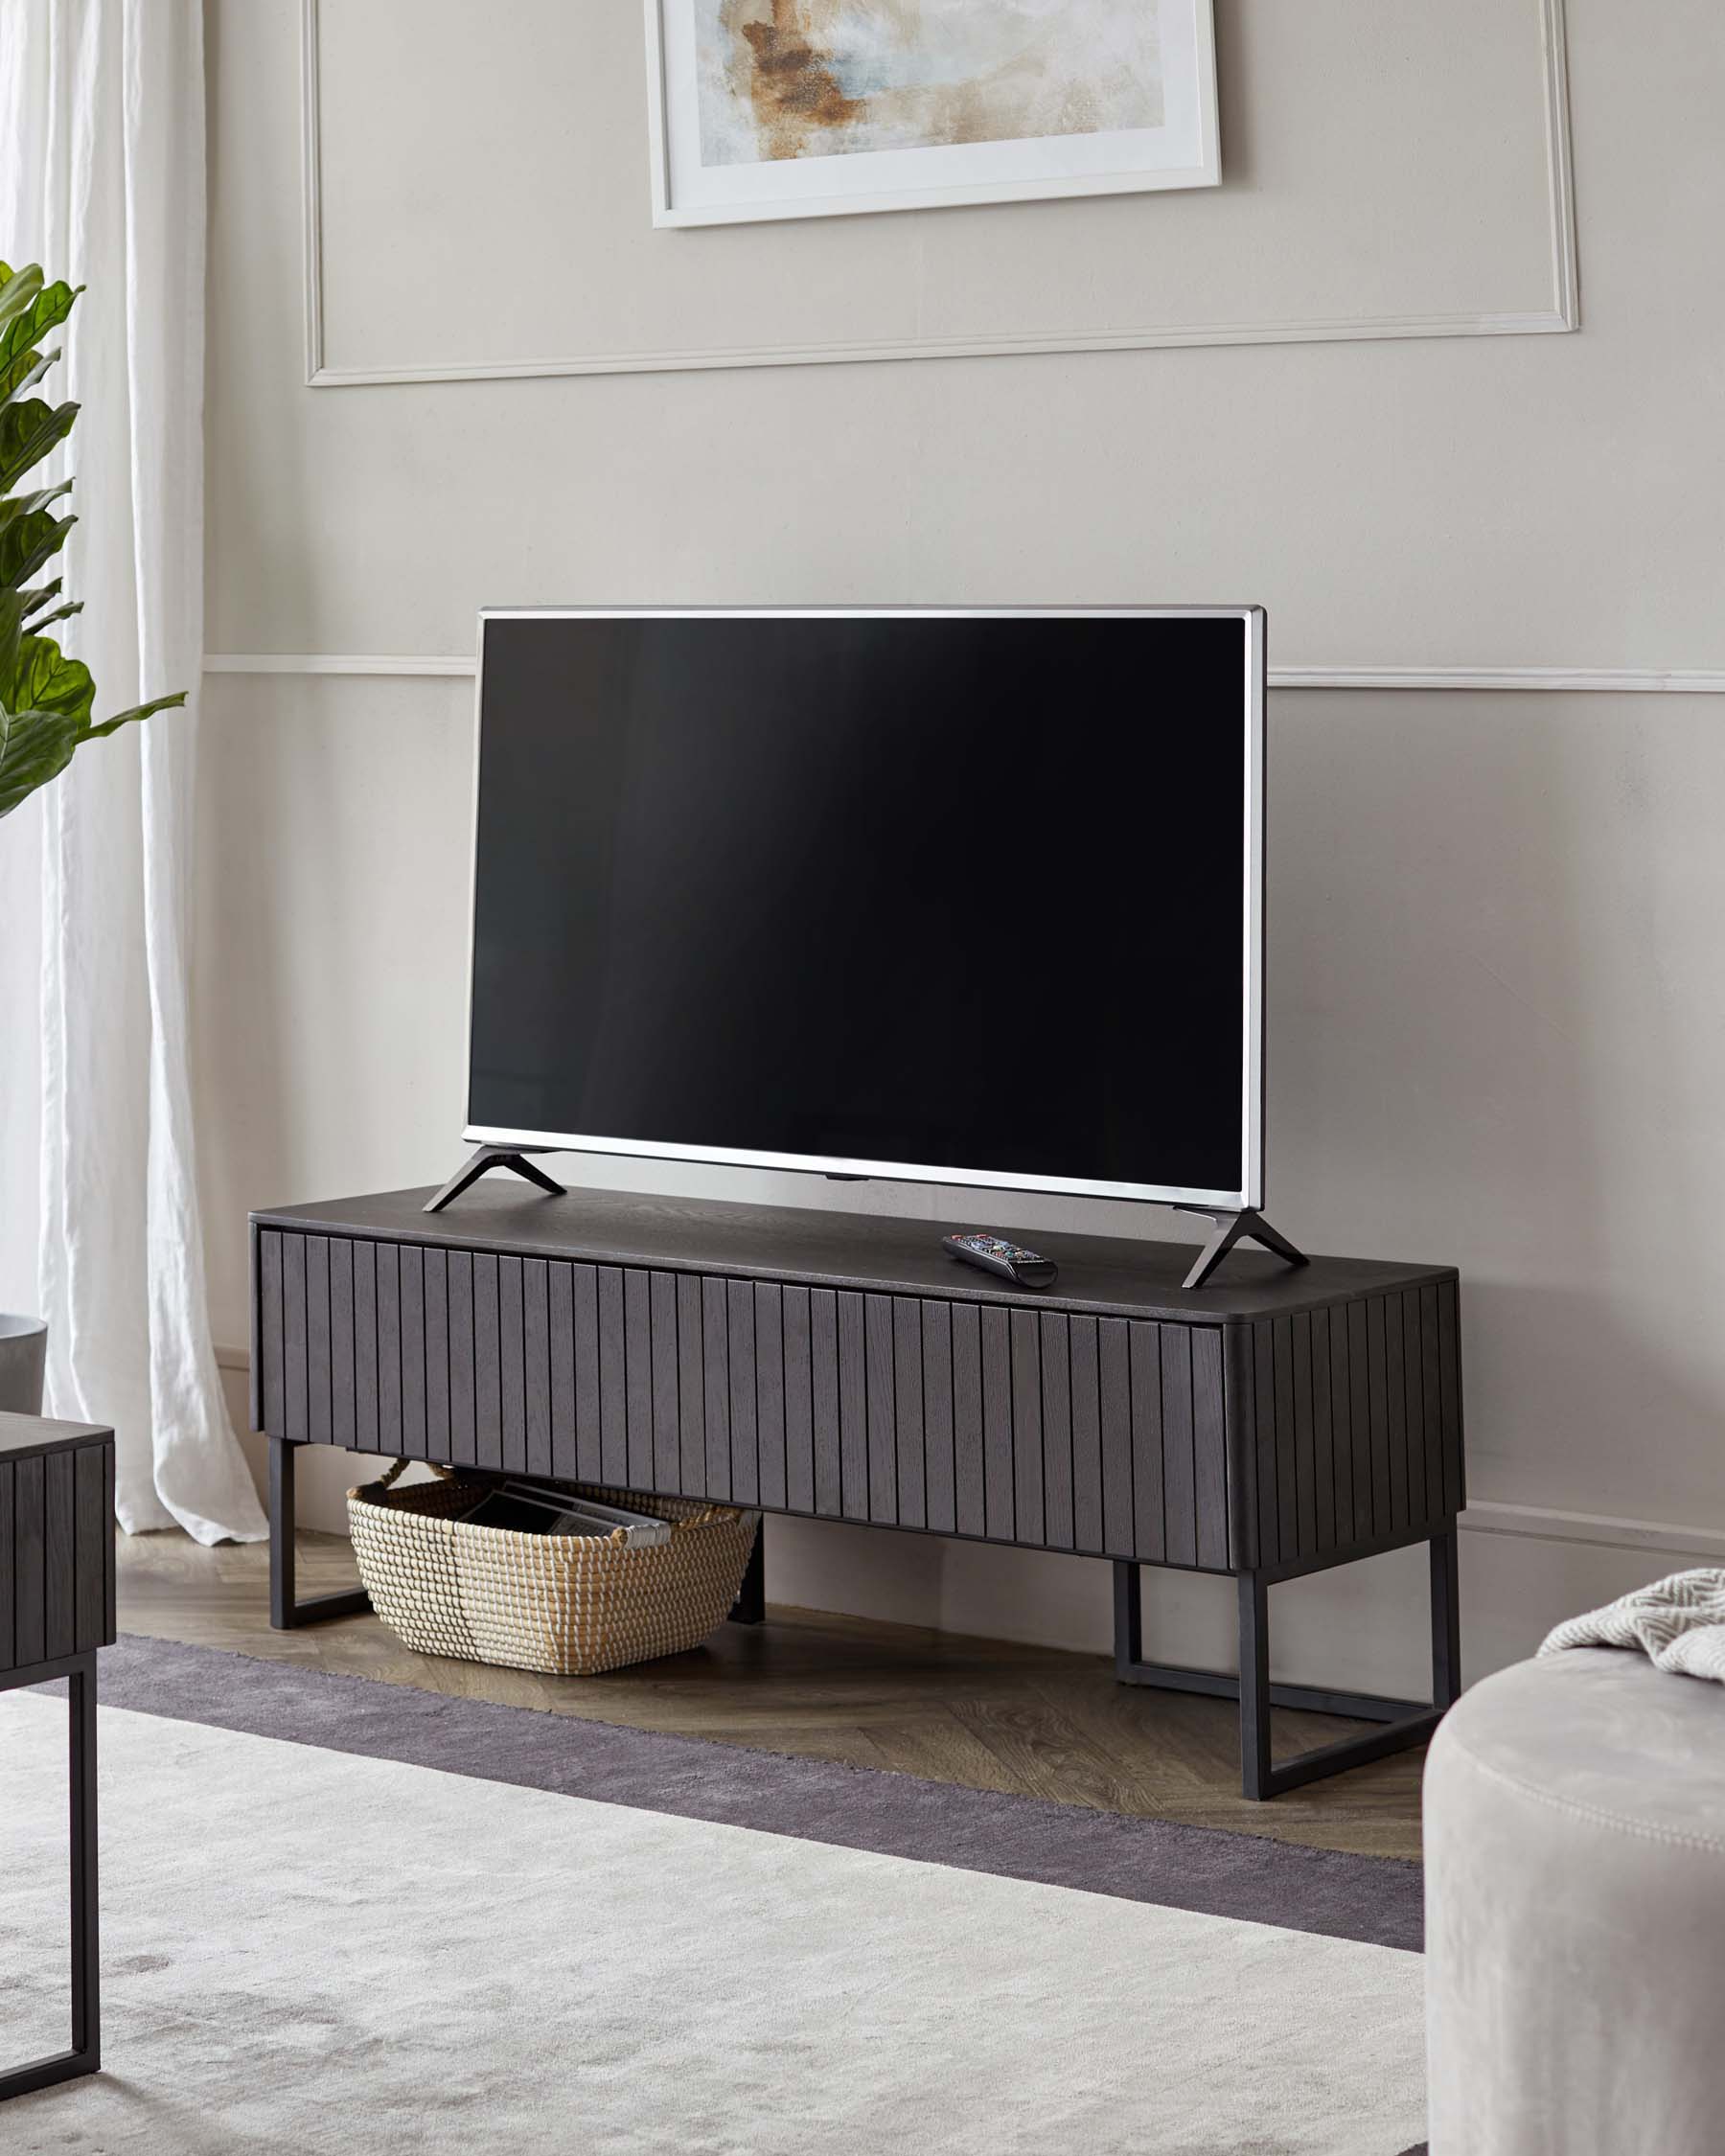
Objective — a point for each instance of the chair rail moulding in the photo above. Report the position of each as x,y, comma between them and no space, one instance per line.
1557,310
1559,680
392,666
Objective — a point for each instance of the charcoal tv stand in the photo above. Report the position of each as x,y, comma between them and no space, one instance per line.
1281,1421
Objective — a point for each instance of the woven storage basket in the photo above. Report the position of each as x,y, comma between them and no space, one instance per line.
568,1605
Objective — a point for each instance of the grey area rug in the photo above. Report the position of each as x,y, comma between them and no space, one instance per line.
1375,1900
311,1949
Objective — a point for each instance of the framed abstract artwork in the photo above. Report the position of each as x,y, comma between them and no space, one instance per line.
805,108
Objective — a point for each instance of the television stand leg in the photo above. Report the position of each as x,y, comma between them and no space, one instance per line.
491,1157
751,1605
1230,1228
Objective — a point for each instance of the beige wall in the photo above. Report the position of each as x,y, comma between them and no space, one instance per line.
1495,1027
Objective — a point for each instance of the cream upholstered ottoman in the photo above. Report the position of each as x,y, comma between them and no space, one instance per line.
1575,1841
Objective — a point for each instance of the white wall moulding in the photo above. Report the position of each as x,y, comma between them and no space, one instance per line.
1561,680
1557,680
1285,252
333,663
1596,1530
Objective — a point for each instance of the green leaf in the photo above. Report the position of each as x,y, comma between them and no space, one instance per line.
138,711
43,362
28,431
24,546
25,330
15,506
35,747
11,634
18,288
31,600
38,742
46,679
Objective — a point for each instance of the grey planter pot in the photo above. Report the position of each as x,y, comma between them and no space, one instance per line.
23,1353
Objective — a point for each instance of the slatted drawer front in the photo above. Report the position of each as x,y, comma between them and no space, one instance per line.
1103,1436
57,1553
1355,1415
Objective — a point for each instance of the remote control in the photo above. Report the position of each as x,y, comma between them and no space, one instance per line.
996,1255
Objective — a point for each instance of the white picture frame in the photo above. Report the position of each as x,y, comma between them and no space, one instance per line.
1183,151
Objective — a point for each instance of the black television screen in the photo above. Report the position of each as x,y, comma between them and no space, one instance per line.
969,898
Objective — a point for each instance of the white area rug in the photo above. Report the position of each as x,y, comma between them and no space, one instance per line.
308,1951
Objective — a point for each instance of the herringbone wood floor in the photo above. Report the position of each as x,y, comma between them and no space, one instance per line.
979,1712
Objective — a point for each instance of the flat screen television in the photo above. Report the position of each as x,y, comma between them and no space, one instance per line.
959,897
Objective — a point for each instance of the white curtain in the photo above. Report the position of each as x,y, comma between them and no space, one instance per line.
101,180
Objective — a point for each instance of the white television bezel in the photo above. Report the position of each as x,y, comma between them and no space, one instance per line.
1250,1194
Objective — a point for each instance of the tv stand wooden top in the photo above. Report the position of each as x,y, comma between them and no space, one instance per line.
875,1254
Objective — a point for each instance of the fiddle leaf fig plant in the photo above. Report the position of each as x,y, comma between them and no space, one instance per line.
46,699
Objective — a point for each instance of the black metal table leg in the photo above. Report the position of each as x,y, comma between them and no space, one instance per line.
1256,1769
1446,1620
285,1610
751,1605
1406,1722
85,2053
1129,1623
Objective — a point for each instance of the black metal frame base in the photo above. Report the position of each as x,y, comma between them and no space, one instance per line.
85,2053
1230,1228
1406,1722
517,1158
751,1605
286,1611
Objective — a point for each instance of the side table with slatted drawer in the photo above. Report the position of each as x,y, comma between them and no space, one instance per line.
57,1610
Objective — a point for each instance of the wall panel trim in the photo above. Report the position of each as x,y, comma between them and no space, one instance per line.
1553,679
1558,313
338,662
